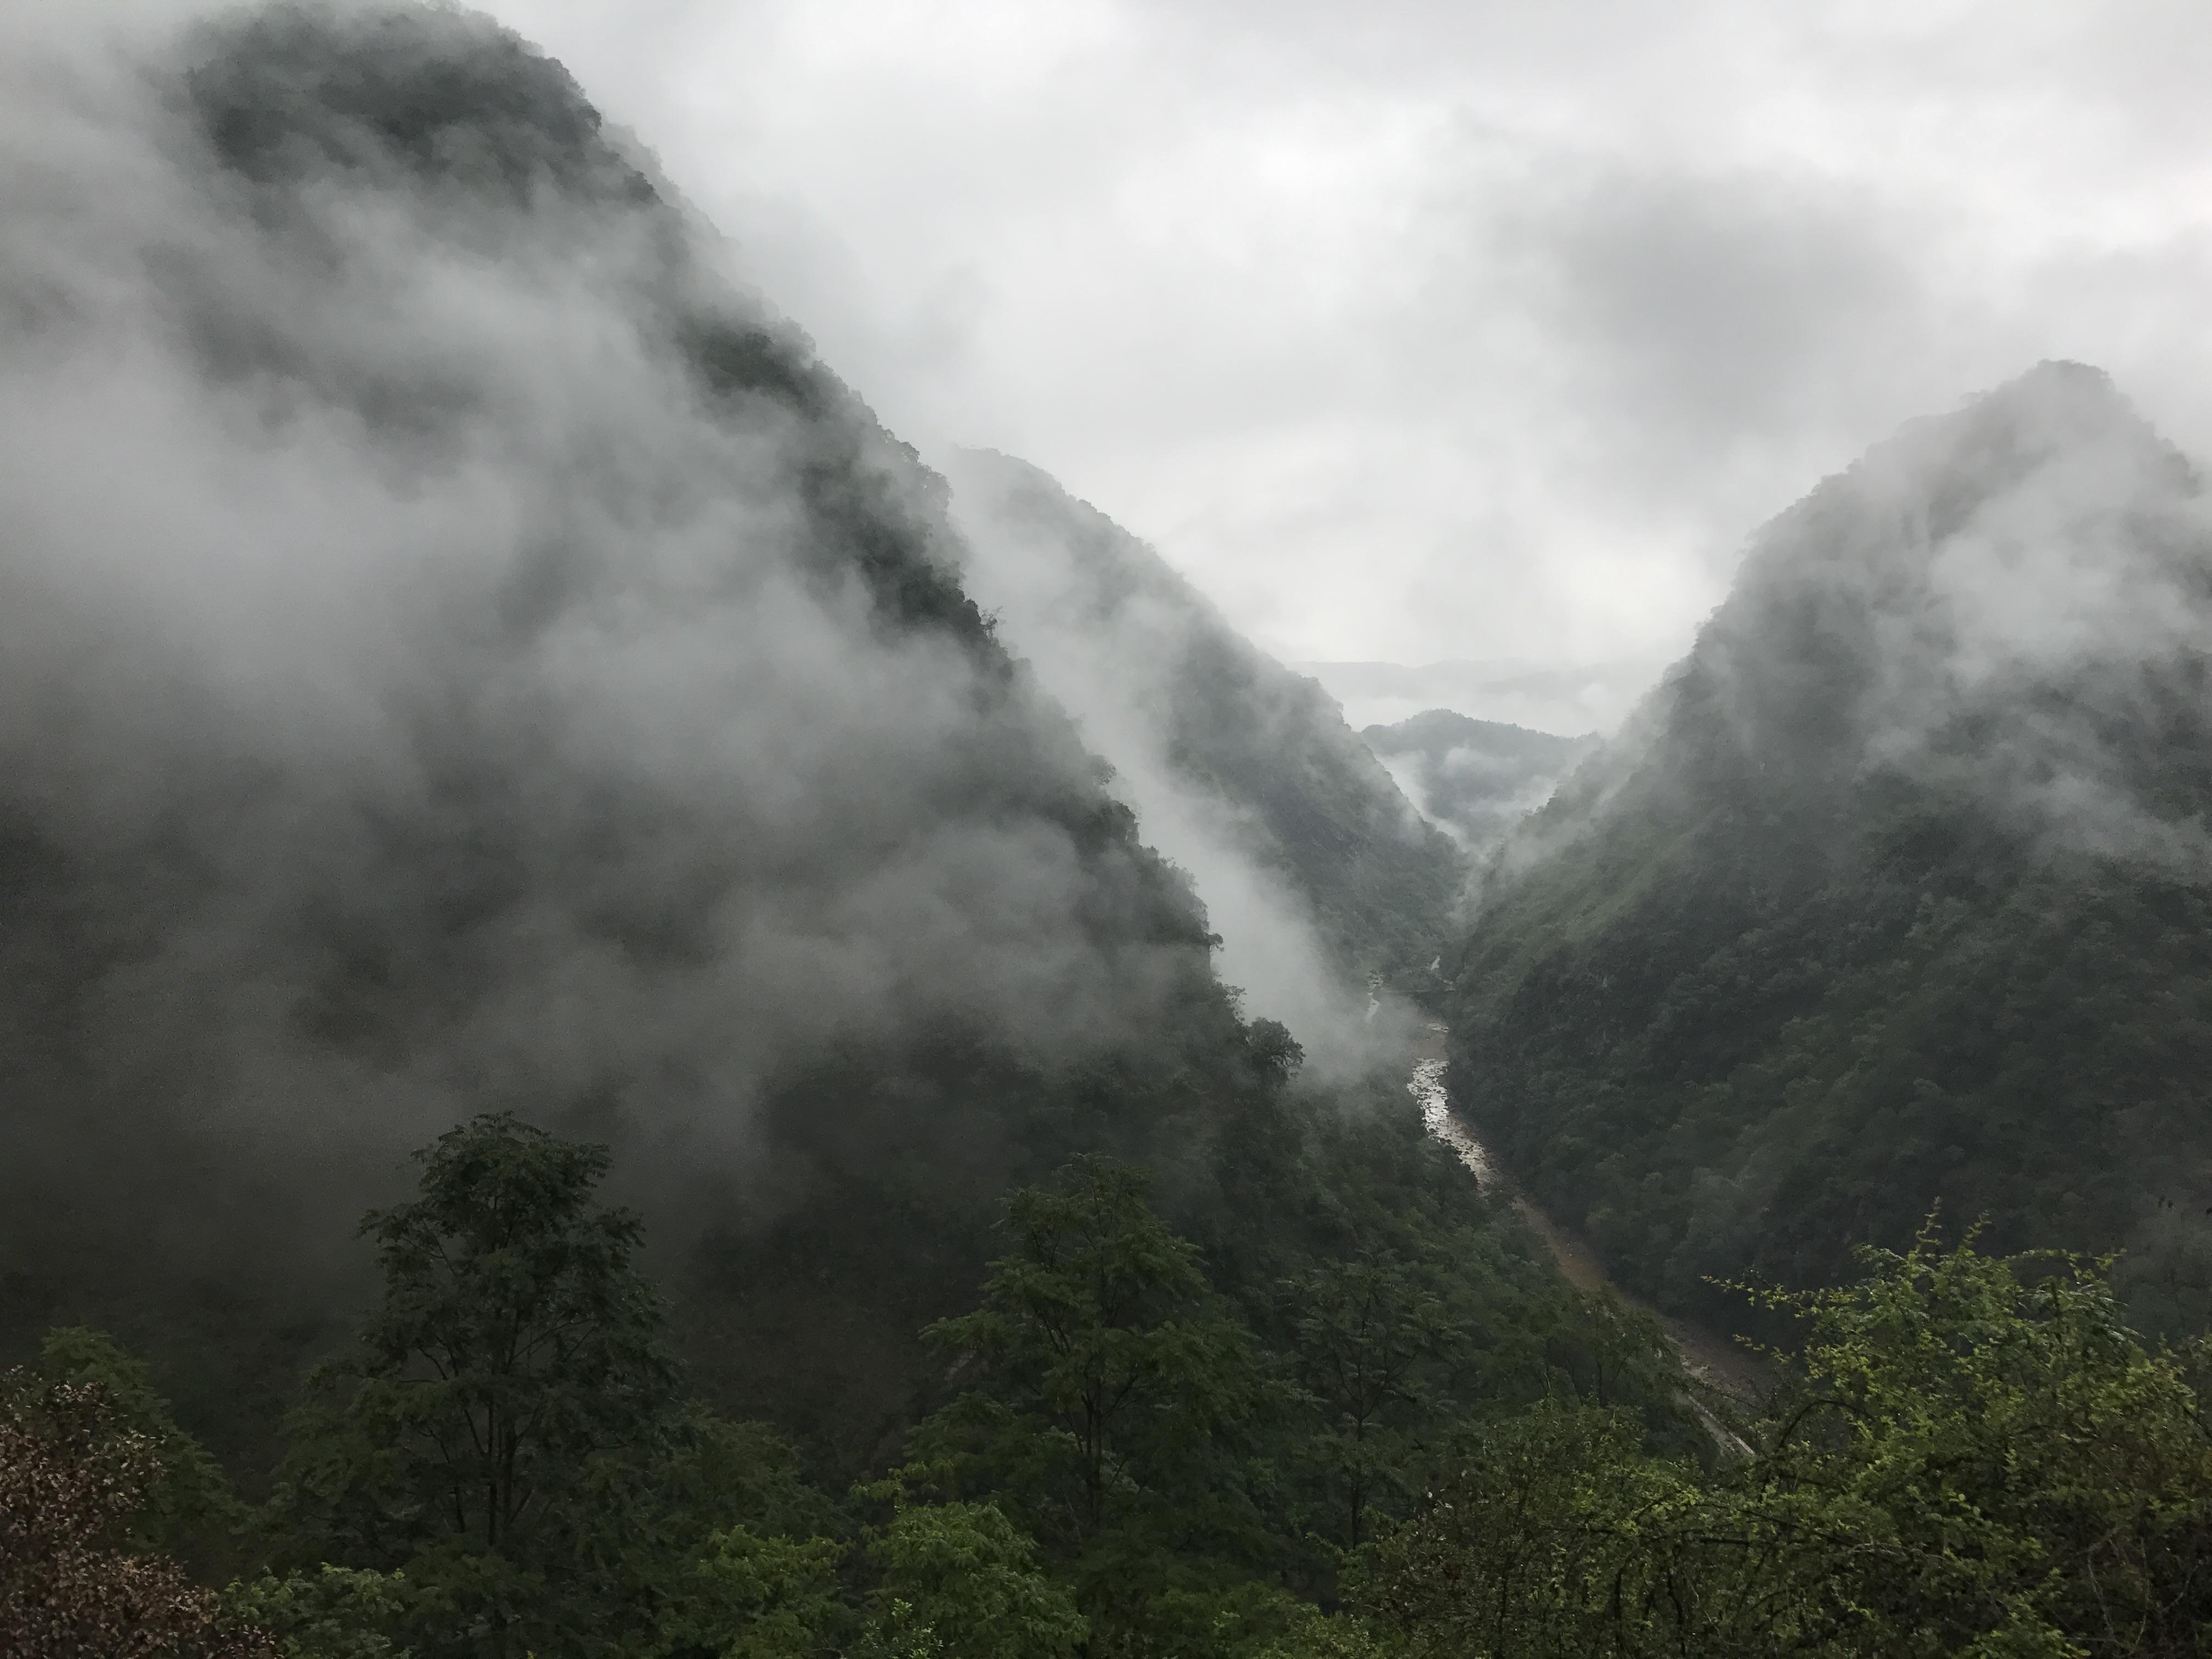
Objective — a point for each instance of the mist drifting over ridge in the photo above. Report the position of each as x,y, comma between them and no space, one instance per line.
1317,871
1474,779
459,650
1896,892
2012,602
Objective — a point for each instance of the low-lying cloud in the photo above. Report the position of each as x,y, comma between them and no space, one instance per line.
1151,672
422,689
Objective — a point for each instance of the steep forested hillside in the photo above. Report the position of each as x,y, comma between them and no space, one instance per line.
460,652
1227,749
1476,778
1898,890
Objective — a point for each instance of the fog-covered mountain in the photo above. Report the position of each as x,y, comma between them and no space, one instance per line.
1477,779
1312,865
1898,891
460,651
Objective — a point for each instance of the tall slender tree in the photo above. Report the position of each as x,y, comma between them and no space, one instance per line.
1366,1327
506,1400
1098,1335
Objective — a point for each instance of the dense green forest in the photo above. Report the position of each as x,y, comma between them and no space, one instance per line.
1476,778
509,1455
1972,1457
1895,892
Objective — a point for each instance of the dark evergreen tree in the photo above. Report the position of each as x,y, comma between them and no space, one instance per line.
491,1434
1100,1343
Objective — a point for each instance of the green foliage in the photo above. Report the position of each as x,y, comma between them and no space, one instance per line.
328,1612
1239,1619
76,1476
2021,1474
1185,1469
1538,1541
1613,1355
189,1509
746,1596
1276,1054
717,1475
1312,1181
1103,1357
489,1436
1732,1067
1103,1371
1973,1455
1979,1459
1369,1336
960,1580
1313,1635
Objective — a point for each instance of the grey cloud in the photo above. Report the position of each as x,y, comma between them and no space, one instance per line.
1707,312
1417,330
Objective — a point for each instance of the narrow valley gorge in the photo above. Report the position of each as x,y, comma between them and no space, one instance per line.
643,1019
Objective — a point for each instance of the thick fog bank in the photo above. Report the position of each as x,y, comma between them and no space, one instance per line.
458,650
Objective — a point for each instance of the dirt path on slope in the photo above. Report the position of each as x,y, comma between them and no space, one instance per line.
1710,1357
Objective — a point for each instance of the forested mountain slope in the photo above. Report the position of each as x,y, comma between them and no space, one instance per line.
1895,892
460,651
1237,764
1475,778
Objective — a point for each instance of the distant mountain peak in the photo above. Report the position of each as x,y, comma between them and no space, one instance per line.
2036,530
2055,405
1899,891
2058,412
1476,779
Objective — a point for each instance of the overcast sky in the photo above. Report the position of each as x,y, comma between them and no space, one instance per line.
1420,329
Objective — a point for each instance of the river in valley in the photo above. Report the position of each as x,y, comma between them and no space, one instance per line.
1710,1357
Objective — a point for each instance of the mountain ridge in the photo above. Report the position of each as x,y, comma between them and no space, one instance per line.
1477,778
1198,718
1891,894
